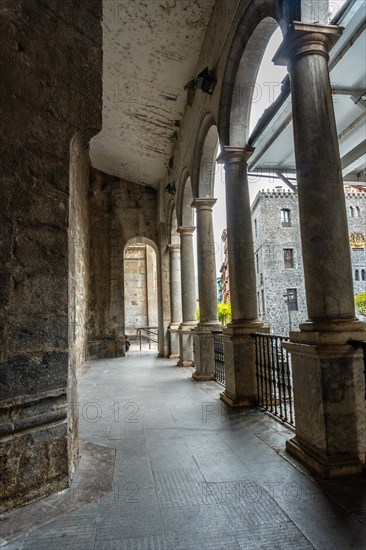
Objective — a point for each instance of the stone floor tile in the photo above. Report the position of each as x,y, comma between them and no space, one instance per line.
190,474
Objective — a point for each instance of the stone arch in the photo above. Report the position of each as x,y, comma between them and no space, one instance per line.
252,35
203,169
185,212
155,278
142,240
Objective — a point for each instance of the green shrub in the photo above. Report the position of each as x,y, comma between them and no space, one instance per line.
360,303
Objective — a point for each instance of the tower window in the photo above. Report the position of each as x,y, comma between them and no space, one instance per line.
350,211
357,212
363,275
285,217
357,275
288,257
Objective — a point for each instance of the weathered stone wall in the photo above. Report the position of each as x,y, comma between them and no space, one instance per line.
51,62
357,224
271,238
79,242
119,211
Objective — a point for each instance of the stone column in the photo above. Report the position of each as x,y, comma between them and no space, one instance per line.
204,359
175,299
188,297
328,377
239,346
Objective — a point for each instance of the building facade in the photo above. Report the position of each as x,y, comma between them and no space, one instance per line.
278,256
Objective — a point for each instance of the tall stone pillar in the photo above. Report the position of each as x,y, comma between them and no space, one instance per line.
329,384
175,299
188,297
204,358
239,346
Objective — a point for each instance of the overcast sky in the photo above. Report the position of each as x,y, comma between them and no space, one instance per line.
267,73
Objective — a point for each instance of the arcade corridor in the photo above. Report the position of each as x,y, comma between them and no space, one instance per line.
165,466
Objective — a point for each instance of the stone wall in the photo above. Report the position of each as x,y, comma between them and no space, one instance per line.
270,240
79,270
120,212
51,64
273,279
357,224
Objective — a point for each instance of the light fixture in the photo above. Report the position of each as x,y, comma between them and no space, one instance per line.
170,188
206,81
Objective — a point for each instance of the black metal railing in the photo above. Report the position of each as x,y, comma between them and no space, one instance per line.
149,334
219,357
193,345
274,376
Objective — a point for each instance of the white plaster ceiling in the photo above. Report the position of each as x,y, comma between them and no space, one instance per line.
150,51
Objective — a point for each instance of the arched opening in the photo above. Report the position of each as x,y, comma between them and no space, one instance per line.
267,86
141,294
247,91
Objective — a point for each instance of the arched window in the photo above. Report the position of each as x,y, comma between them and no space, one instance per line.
285,217
357,212
357,275
363,275
350,211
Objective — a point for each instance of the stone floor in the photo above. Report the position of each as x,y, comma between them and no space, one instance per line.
164,465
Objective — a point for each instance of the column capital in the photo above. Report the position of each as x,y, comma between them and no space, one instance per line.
188,230
235,155
174,247
204,203
306,39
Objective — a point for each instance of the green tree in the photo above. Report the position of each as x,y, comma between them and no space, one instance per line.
360,303
223,313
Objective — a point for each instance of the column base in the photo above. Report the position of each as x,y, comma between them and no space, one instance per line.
240,366
184,363
235,402
204,355
173,330
329,398
202,377
185,333
324,465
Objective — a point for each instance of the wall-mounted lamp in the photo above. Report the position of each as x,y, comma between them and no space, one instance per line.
206,81
170,188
